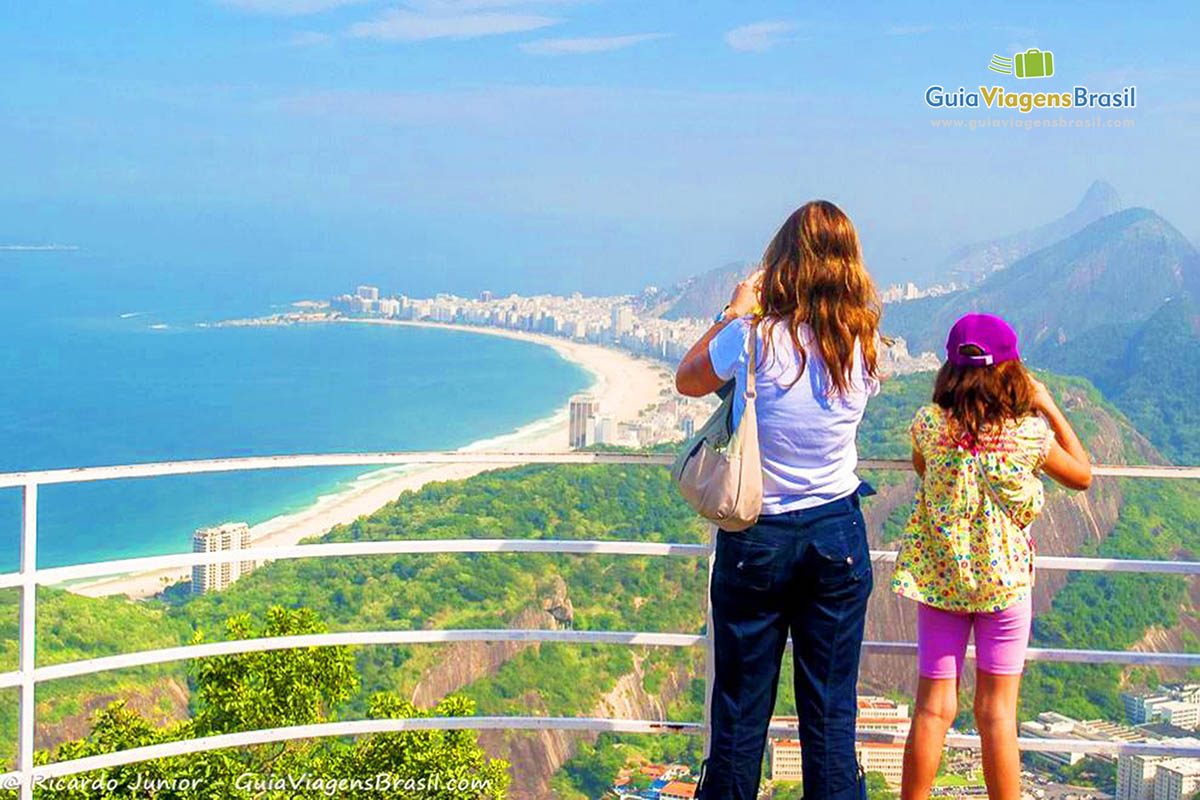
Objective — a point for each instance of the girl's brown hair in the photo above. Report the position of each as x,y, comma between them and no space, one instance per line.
980,398
813,274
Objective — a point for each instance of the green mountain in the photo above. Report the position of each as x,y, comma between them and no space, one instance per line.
976,261
1102,303
1150,370
1118,270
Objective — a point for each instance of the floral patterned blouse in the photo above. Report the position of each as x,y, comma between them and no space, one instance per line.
963,550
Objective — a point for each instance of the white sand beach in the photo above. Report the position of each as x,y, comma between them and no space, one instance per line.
623,384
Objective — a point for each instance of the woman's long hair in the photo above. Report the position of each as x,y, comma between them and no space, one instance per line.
813,275
979,399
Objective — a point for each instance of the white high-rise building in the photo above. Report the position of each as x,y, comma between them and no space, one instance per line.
1177,779
1135,776
215,577
605,431
1159,777
367,292
1177,705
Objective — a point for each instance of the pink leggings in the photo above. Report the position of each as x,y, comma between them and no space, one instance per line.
1001,638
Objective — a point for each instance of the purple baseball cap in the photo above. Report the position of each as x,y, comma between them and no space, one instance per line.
989,333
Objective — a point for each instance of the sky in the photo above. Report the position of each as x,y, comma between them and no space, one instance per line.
600,146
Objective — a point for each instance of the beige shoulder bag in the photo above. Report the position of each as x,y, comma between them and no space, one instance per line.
719,470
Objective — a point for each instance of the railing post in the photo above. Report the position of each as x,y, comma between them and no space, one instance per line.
710,664
27,638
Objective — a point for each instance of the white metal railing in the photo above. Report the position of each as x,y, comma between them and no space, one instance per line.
28,674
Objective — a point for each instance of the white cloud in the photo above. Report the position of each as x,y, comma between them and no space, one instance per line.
288,8
759,36
403,25
593,44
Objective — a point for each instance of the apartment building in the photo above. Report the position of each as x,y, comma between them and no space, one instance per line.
219,538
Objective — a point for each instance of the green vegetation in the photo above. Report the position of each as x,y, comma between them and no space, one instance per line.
884,430
595,766
275,689
1089,772
72,628
877,787
788,791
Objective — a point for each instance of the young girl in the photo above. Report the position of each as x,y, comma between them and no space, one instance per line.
968,556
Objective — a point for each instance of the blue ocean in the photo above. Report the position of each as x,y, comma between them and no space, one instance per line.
92,377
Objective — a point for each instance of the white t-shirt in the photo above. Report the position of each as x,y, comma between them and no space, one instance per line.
806,434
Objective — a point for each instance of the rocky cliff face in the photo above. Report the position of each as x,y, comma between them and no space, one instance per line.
162,702
464,662
1177,639
535,756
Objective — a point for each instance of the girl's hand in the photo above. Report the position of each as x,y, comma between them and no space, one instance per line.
745,295
1043,401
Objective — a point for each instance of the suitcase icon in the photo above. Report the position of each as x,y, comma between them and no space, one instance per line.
1034,63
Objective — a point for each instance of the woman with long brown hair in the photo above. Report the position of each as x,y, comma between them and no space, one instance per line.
812,311
967,557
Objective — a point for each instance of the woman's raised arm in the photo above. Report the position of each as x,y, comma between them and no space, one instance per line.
695,376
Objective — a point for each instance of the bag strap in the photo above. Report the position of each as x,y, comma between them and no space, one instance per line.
751,366
982,472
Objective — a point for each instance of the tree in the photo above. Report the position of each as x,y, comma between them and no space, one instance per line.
877,787
300,686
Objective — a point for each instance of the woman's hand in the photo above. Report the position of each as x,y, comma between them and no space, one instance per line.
745,295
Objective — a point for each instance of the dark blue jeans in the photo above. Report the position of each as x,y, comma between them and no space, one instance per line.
807,572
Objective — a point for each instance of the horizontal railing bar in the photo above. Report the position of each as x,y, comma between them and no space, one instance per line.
382,459
55,575
582,724
341,549
197,466
144,658
207,650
